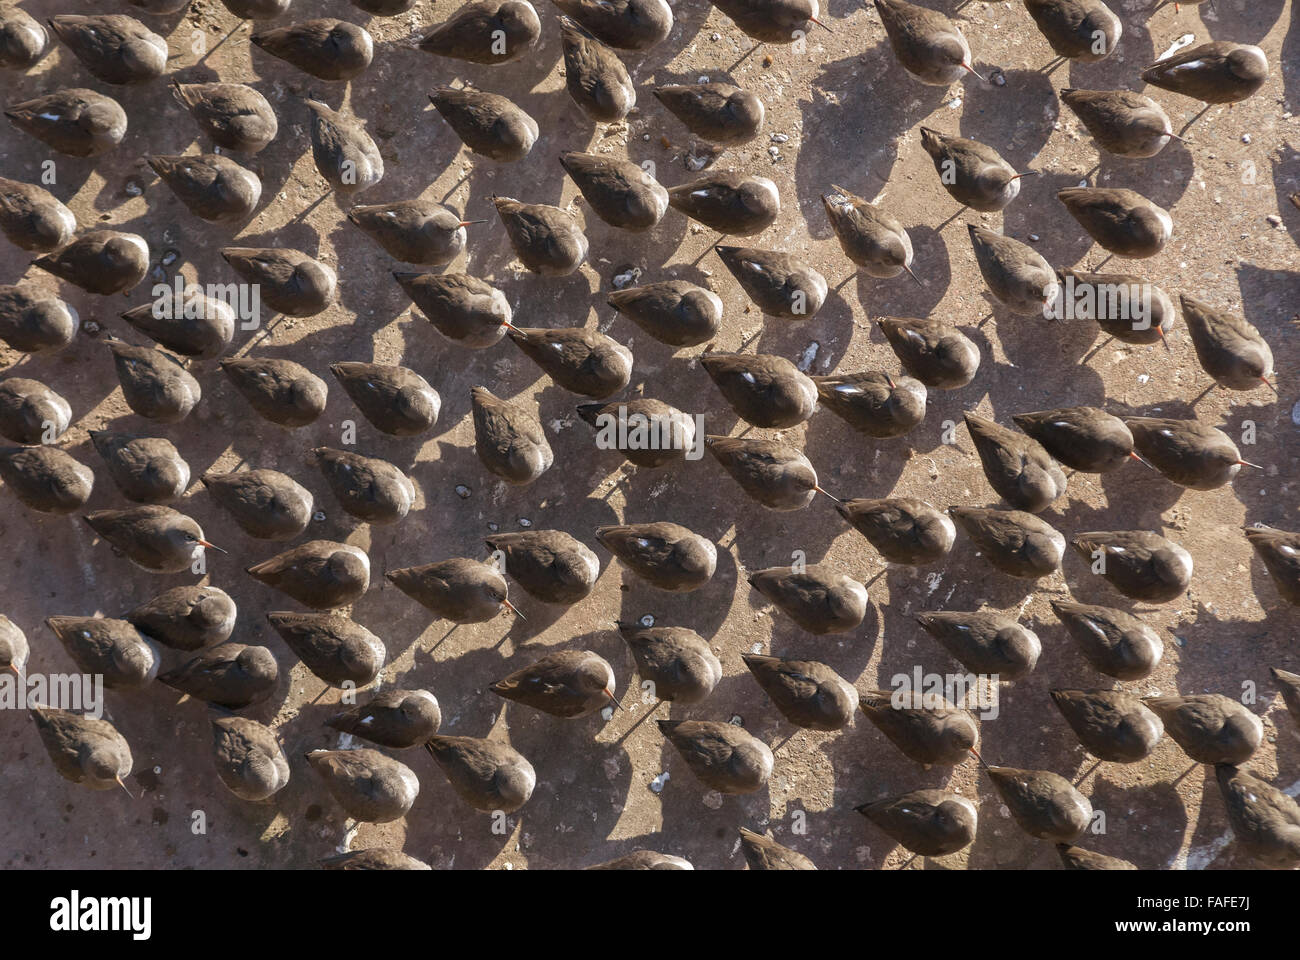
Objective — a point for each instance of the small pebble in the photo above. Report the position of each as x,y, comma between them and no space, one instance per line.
1177,45
659,782
493,527
319,516
808,356
1274,219
1245,138
648,620
525,522
779,138
737,719
626,277
463,491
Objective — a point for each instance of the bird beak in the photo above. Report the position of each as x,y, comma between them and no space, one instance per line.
212,546
1028,173
1141,461
820,490
12,669
913,276
969,69
979,758
1164,339
890,380
513,609
612,699
1247,463
470,223
123,786
822,25
1265,381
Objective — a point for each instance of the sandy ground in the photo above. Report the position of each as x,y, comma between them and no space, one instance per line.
848,115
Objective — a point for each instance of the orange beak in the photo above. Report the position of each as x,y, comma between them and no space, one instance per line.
820,490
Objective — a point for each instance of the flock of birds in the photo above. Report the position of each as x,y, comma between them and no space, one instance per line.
1023,467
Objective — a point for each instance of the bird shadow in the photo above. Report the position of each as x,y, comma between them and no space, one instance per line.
861,116
1245,23
1017,134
